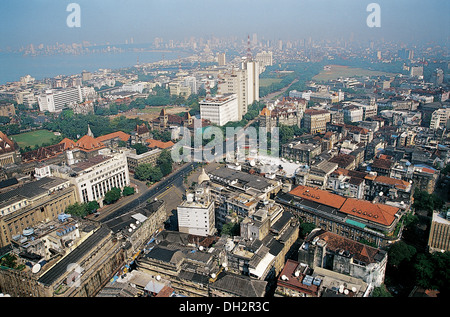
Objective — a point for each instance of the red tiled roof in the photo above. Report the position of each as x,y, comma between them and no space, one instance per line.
68,143
378,213
122,135
88,143
159,144
401,184
295,282
318,195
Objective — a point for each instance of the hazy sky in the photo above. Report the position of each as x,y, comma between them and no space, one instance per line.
44,21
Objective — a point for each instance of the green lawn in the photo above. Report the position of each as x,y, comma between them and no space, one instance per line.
33,138
265,82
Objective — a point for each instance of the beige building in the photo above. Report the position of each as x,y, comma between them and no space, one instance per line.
439,239
316,120
150,157
25,206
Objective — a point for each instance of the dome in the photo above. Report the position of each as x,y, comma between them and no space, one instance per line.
203,177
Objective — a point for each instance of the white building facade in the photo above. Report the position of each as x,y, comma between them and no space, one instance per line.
94,177
57,100
220,109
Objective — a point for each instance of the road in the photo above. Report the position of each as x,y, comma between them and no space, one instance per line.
176,178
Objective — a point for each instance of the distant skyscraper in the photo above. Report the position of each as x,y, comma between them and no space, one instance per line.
222,59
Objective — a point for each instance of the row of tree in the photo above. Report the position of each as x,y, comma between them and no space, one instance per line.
84,209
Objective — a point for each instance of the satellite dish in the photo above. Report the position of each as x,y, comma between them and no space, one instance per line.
354,289
200,248
224,264
297,273
346,292
213,275
36,268
158,277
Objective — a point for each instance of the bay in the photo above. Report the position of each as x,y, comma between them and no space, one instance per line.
14,65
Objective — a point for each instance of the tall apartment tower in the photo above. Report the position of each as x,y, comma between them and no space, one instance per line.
222,59
252,88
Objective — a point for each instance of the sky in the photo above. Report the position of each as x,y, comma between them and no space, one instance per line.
44,21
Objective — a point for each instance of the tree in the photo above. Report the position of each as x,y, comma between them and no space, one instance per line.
165,162
142,171
400,252
306,228
147,172
140,148
112,196
426,201
127,191
92,207
76,210
381,291
231,229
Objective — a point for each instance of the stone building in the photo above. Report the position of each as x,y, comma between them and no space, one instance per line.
342,255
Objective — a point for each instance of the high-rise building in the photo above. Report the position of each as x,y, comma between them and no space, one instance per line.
57,100
234,82
439,239
222,59
252,87
220,109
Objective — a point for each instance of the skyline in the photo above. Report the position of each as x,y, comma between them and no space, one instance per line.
114,21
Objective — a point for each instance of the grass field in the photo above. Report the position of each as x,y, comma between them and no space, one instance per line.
33,138
265,82
336,72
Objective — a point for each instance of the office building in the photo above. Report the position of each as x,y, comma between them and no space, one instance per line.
222,59
57,99
219,109
33,202
94,177
243,82
439,238
316,120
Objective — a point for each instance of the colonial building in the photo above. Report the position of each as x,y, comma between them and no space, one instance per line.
349,217
33,202
94,177
342,255
288,111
